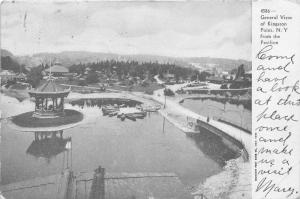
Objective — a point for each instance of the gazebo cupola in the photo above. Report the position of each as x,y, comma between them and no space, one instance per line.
49,99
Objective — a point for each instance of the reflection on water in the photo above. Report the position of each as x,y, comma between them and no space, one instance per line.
104,101
149,145
48,144
215,147
235,114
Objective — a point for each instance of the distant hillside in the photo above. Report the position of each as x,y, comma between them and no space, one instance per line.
10,62
6,53
69,58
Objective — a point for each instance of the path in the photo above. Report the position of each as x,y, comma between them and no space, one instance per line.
235,181
173,107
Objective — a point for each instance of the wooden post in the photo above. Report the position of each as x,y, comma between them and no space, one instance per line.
98,184
62,103
47,103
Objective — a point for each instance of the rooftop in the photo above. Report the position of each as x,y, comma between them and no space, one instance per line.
57,69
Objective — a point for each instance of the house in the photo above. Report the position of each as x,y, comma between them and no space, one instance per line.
215,80
57,70
248,75
7,75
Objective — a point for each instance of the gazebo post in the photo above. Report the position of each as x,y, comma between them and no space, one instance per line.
55,104
62,103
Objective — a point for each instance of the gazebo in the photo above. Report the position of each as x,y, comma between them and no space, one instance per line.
49,99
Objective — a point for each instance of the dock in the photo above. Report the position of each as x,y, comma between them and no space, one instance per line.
98,185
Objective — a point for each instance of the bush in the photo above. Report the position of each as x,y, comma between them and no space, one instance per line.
149,92
224,86
35,76
91,78
168,92
82,83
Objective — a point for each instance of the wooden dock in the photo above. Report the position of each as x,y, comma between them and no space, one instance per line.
99,185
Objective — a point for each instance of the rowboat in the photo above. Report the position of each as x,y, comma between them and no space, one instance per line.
130,117
112,113
140,115
109,109
122,117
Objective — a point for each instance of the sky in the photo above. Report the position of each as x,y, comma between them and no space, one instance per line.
178,29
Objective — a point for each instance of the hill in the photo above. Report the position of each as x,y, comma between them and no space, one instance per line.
68,58
10,62
6,53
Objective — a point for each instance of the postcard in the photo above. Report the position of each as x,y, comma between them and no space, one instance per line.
150,99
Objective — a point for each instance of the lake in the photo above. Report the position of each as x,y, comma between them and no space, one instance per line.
148,145
235,114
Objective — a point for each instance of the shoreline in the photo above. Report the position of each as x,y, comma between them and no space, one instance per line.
235,170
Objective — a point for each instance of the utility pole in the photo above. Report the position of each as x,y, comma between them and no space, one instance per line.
165,100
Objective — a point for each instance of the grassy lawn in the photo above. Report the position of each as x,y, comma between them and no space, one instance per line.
26,119
138,88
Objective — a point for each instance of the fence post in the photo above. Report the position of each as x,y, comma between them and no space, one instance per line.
98,184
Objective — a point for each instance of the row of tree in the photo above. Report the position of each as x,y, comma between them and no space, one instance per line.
7,63
144,70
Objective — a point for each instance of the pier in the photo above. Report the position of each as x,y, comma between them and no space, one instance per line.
98,185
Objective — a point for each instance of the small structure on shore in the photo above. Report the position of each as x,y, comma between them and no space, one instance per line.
49,113
49,99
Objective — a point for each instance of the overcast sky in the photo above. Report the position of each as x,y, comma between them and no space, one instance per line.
182,29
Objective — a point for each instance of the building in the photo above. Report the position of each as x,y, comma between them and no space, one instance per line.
7,75
215,80
248,75
57,70
49,99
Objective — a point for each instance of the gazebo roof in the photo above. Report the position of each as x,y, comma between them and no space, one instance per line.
50,87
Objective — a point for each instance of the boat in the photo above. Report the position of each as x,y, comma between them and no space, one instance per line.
109,109
112,113
122,116
139,115
151,108
130,117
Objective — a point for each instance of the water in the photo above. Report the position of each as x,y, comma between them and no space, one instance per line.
147,145
235,114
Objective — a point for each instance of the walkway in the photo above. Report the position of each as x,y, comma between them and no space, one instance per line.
235,181
173,107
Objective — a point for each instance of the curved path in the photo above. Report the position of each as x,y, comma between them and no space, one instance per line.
172,106
237,175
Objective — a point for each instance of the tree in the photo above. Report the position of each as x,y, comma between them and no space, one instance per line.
35,76
91,78
224,86
168,92
203,75
7,63
240,72
195,76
